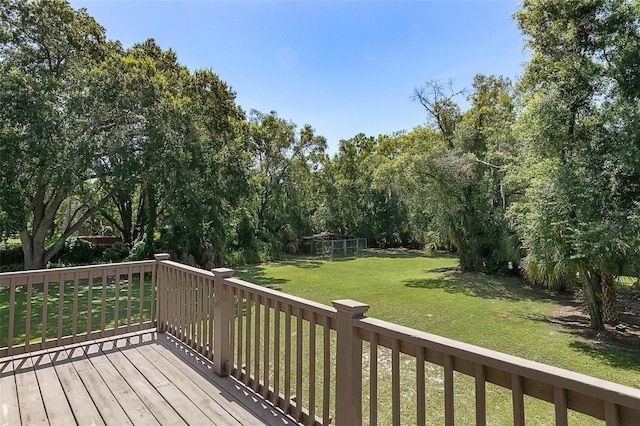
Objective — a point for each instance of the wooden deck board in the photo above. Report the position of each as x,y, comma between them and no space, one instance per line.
84,410
139,379
55,402
32,409
238,395
9,408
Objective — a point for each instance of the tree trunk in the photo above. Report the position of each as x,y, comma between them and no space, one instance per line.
589,281
609,300
35,255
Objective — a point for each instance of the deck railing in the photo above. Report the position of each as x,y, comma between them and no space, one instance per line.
55,307
316,363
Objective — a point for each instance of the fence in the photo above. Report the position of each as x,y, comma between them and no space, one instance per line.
334,248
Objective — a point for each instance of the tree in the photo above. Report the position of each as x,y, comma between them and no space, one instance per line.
47,151
466,195
579,133
282,172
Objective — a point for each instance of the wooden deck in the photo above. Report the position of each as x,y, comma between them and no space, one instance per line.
143,378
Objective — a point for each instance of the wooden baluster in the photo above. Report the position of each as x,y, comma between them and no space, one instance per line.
299,365
129,296
74,319
481,404
247,342
287,358
448,390
326,393
518,400
256,344
241,308
395,381
210,307
312,368
116,305
611,414
276,353
90,303
103,303
373,379
265,351
420,390
45,303
12,314
27,319
141,297
560,403
60,307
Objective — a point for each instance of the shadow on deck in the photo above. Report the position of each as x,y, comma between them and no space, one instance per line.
141,378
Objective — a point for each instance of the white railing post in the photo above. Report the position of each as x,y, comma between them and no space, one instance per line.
161,292
348,363
222,321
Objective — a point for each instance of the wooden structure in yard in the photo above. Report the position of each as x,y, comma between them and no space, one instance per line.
301,361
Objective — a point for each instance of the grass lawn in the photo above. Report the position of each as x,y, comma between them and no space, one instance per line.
502,314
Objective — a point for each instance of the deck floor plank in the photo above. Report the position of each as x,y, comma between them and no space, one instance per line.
188,410
247,401
83,379
32,409
55,401
143,378
123,394
9,408
144,389
82,405
205,402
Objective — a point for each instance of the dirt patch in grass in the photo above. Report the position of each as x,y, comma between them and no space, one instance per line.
572,315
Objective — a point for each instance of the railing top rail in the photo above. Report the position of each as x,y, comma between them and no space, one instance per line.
587,385
305,304
5,277
191,269
308,305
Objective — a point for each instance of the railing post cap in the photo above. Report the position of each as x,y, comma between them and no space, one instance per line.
162,256
222,272
350,306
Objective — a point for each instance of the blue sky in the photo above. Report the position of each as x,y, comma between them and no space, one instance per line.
344,67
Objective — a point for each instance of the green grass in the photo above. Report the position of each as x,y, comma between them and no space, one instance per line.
496,313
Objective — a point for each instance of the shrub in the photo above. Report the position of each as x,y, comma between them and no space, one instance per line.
11,267
114,253
137,252
76,252
11,254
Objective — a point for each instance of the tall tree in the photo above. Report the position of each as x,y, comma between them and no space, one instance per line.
47,152
283,162
580,154
467,199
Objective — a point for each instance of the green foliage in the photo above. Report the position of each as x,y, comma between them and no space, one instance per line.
11,254
47,151
115,253
579,162
76,252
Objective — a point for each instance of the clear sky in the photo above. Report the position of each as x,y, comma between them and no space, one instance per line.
344,67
